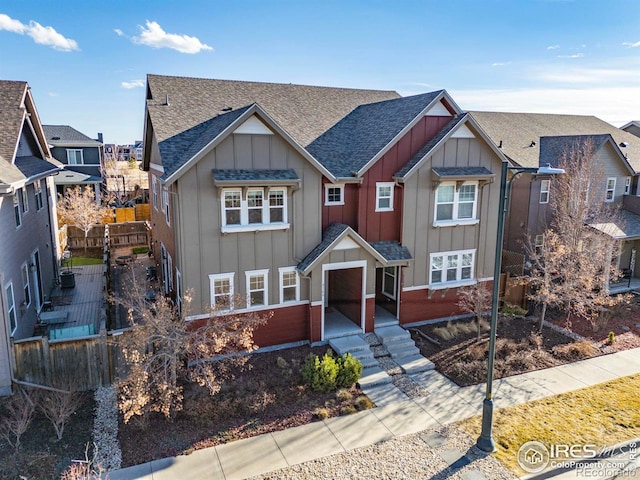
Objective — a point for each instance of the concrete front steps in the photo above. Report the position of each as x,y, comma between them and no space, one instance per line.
372,374
403,350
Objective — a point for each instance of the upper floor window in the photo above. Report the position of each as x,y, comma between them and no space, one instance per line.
333,194
289,286
154,190
627,185
74,156
384,196
16,209
451,267
258,209
24,199
165,205
11,308
545,185
455,202
257,288
221,286
611,189
24,270
38,191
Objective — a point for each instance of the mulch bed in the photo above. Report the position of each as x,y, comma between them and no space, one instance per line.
518,350
264,399
41,455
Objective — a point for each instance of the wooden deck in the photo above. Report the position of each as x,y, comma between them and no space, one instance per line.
84,302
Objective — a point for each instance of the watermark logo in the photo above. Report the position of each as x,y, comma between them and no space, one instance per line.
533,457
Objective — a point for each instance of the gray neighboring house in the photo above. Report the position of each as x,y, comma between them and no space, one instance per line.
28,265
82,158
633,127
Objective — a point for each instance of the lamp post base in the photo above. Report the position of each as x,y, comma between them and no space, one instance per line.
485,440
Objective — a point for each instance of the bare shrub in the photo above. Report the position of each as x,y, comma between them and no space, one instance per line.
87,469
17,413
476,300
575,350
443,333
58,406
536,340
363,403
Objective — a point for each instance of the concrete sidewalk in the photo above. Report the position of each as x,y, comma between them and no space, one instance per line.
446,403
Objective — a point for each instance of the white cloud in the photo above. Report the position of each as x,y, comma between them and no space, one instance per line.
119,32
42,35
612,74
631,45
53,94
553,47
154,36
500,64
616,105
420,84
133,84
575,55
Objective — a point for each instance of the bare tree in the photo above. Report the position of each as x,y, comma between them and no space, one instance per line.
163,350
575,263
86,469
79,208
475,299
59,405
16,417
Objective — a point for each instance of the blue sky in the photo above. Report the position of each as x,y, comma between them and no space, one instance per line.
87,61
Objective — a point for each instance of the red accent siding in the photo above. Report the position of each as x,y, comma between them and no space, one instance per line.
379,226
369,322
346,213
418,305
315,323
345,293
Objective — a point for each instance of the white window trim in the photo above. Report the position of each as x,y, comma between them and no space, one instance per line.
456,221
627,185
244,225
281,272
25,199
37,188
327,187
154,190
546,191
11,301
457,283
24,272
221,276
612,190
179,291
75,150
380,185
395,283
265,290
165,205
17,209
538,242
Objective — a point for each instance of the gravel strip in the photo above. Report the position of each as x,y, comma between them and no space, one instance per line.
388,365
407,457
105,429
406,385
379,351
371,339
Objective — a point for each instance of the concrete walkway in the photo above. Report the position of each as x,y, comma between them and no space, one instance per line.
446,403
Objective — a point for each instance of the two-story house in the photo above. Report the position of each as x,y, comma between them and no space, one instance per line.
81,156
632,127
28,266
532,140
337,209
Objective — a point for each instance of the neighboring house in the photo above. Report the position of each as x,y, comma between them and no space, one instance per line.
138,149
82,158
633,127
532,140
27,219
337,209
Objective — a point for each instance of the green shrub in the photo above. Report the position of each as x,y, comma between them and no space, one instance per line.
513,310
363,403
349,371
321,374
612,338
348,410
137,250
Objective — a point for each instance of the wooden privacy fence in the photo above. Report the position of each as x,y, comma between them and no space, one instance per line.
513,290
90,362
76,239
132,233
138,213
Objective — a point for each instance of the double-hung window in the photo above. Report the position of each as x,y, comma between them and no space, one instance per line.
11,307
456,203
289,286
16,209
611,189
384,196
221,285
38,191
154,189
165,205
75,157
539,243
24,270
24,199
257,288
451,267
333,194
545,185
254,209
389,281
627,185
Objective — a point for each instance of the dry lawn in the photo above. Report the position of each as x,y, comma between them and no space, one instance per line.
605,414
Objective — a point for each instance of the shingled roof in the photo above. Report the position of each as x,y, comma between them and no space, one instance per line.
65,135
11,117
351,143
517,131
305,112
